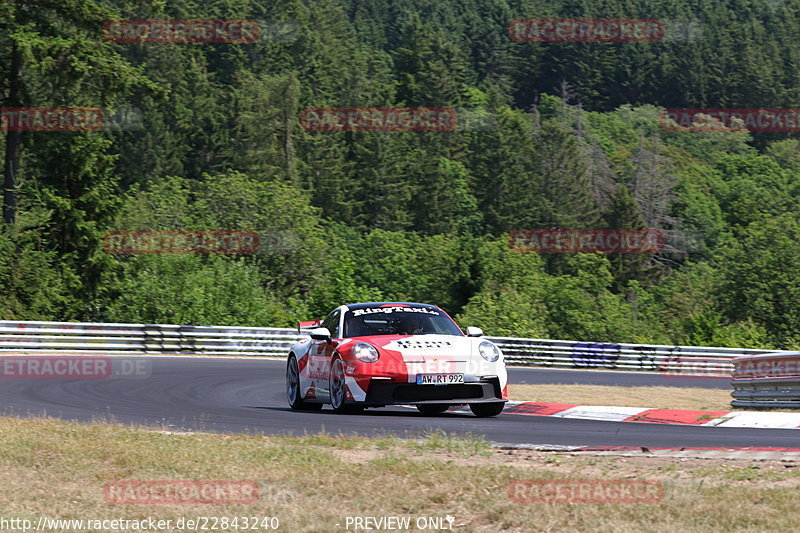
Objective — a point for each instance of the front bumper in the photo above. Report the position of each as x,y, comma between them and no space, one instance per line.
392,392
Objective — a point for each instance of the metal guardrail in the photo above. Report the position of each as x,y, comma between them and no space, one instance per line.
670,360
83,338
770,380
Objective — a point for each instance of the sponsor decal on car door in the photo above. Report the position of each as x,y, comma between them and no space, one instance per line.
318,368
320,354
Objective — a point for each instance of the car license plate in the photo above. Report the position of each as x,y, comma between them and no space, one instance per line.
439,379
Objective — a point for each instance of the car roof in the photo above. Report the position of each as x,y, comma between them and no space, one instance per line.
387,304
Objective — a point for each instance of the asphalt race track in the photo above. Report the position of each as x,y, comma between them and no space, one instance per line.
247,396
541,376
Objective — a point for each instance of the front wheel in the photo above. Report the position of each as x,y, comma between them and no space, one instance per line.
483,410
293,388
338,392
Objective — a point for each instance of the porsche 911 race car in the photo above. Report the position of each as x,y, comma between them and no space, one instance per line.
388,353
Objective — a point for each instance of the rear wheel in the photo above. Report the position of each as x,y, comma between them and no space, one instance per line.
293,387
338,392
483,410
431,409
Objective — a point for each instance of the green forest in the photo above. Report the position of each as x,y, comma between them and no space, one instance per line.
559,135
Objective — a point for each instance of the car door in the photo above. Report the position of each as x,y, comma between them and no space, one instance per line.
320,354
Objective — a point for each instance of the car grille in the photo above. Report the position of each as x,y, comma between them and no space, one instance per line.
432,392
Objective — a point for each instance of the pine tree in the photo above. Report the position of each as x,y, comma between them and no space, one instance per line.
58,58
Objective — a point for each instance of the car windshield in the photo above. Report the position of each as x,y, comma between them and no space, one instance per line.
405,320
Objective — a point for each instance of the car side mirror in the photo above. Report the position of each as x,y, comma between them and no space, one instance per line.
320,334
472,331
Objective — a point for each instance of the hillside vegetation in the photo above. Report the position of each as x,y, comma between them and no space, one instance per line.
559,135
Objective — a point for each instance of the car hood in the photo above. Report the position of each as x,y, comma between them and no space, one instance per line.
423,347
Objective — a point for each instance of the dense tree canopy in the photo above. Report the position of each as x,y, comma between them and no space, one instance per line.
547,135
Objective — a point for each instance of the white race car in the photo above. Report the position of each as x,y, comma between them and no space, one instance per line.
385,353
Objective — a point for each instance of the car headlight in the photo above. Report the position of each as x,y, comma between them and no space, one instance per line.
365,352
489,351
